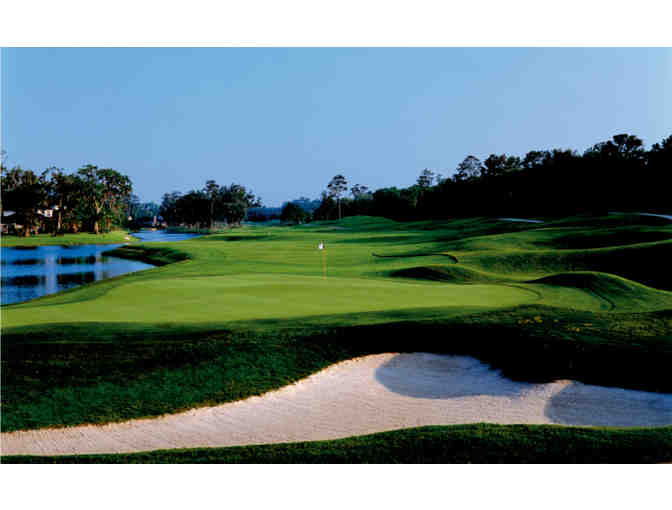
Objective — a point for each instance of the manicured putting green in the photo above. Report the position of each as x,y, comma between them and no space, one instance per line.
232,298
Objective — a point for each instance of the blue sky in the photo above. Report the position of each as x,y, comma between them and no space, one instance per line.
283,121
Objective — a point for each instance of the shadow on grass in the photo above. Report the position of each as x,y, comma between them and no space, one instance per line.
416,254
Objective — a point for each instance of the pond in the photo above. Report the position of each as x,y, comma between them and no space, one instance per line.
28,273
31,272
162,236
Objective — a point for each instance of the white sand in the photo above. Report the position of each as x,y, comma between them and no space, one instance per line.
362,396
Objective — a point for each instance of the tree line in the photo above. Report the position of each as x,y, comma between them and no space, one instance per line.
205,207
97,200
92,199
614,175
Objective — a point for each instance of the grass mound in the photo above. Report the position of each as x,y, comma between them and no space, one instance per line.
618,292
604,238
647,263
451,274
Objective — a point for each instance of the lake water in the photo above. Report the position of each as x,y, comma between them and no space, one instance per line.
162,236
31,272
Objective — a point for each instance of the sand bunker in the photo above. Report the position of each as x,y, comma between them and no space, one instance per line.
362,396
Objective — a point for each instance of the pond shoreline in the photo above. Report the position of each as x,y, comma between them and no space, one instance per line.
79,239
34,271
150,255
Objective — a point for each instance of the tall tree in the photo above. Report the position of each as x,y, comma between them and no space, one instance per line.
534,159
294,213
470,168
326,208
133,206
65,192
336,187
168,208
194,209
496,165
237,200
426,178
104,191
360,191
658,175
213,192
24,192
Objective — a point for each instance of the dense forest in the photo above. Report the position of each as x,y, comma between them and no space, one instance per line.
615,175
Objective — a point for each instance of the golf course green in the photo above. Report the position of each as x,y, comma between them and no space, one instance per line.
236,314
115,236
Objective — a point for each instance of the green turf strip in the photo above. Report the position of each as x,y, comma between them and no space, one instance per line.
114,237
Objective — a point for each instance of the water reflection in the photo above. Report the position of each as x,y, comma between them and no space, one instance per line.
41,270
66,261
29,272
23,281
76,278
25,262
162,236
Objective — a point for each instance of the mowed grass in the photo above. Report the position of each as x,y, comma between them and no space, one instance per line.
257,296
114,237
240,313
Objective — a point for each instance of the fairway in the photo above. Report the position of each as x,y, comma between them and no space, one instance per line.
233,315
277,272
